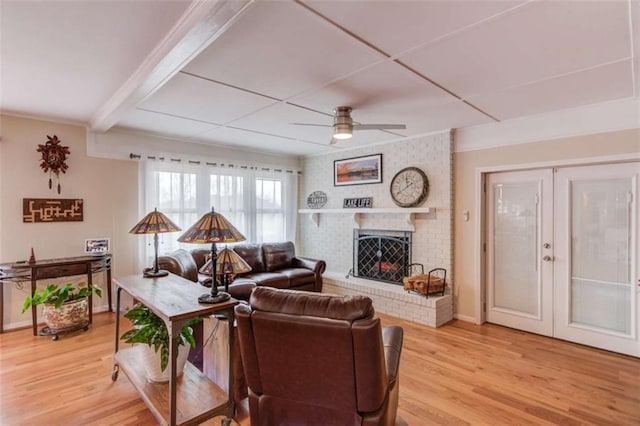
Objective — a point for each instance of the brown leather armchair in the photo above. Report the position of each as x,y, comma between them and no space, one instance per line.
317,359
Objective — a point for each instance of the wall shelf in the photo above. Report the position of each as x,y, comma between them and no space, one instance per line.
357,214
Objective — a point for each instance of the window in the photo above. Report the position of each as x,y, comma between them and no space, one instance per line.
261,205
270,217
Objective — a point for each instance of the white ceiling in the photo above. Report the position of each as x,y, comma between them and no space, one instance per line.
239,72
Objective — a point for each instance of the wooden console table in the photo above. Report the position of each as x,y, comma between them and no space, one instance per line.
54,268
175,300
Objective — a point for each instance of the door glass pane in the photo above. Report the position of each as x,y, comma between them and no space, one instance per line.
515,246
600,254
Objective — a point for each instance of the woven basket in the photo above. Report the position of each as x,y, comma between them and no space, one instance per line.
418,283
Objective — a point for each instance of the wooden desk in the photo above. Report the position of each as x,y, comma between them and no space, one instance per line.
54,268
175,300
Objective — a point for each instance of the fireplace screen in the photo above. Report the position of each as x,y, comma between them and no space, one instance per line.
381,255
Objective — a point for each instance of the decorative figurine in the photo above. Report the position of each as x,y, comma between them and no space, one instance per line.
54,157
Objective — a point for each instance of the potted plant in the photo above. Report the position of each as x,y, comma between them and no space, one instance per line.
151,331
65,308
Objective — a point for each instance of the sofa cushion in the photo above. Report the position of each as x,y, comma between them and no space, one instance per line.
278,255
252,254
200,256
269,279
298,276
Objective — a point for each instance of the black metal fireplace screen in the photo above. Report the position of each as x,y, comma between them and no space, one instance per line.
381,255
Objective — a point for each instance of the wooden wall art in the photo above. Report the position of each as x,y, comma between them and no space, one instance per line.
54,159
36,210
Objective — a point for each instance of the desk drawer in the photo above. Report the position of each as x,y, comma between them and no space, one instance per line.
61,271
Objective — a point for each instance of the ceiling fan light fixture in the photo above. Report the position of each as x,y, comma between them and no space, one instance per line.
342,132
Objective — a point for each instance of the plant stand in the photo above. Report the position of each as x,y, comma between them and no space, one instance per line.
46,331
71,316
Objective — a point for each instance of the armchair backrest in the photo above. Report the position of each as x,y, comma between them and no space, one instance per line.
311,358
179,262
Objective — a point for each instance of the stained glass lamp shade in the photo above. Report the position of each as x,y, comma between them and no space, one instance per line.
228,263
155,223
212,228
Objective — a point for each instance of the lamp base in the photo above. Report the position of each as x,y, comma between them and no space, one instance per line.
155,274
218,298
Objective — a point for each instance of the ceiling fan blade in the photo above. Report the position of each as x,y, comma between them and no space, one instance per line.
309,124
378,126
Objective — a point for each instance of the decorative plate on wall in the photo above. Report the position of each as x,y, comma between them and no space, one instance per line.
316,200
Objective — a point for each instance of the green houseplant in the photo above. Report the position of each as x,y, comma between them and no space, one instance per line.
65,307
151,331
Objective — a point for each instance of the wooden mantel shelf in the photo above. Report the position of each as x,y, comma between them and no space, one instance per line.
408,213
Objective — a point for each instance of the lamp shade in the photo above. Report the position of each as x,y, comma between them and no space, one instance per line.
211,228
228,262
154,223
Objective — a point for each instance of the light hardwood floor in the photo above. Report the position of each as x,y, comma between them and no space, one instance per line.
454,375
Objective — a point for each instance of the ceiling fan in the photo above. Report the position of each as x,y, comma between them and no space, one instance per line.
343,125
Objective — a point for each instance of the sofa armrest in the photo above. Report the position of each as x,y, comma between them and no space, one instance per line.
317,266
392,341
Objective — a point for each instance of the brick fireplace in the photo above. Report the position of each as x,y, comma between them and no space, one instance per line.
381,255
328,234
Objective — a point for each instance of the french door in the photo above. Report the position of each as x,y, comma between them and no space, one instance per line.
520,224
562,254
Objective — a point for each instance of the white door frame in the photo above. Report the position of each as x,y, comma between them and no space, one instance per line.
479,232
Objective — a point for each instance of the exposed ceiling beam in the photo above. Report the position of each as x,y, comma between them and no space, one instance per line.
202,23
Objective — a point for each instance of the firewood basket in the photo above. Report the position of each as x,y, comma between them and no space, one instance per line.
432,283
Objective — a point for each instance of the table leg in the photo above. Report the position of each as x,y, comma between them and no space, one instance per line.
174,328
34,310
232,403
116,367
1,307
109,286
90,280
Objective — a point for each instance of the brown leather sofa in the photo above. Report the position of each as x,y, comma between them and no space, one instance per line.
272,264
317,359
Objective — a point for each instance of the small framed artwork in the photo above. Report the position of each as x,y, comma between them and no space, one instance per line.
97,245
358,170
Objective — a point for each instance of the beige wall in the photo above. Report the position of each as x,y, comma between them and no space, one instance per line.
109,189
466,245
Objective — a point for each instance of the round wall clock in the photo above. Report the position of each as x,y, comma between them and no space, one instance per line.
409,187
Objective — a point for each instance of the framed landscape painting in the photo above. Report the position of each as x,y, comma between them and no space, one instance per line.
358,170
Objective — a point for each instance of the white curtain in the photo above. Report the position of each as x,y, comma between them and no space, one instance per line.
260,202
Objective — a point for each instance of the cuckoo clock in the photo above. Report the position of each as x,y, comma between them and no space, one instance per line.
54,157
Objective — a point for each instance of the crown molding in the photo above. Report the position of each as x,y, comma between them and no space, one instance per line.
590,119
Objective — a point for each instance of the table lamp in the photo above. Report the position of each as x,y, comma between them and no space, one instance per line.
212,228
155,223
228,263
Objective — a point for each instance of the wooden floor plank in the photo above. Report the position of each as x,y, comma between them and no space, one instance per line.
459,374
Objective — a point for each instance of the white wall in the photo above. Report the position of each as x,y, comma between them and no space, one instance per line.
332,240
109,189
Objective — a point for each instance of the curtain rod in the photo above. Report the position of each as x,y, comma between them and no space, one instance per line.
216,164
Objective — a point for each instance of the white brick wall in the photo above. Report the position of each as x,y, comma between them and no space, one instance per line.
393,300
332,240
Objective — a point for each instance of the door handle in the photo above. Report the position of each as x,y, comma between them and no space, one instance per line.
547,258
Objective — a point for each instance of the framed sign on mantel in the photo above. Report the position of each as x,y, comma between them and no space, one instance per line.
358,170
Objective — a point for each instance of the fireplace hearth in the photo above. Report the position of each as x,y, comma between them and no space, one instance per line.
381,255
